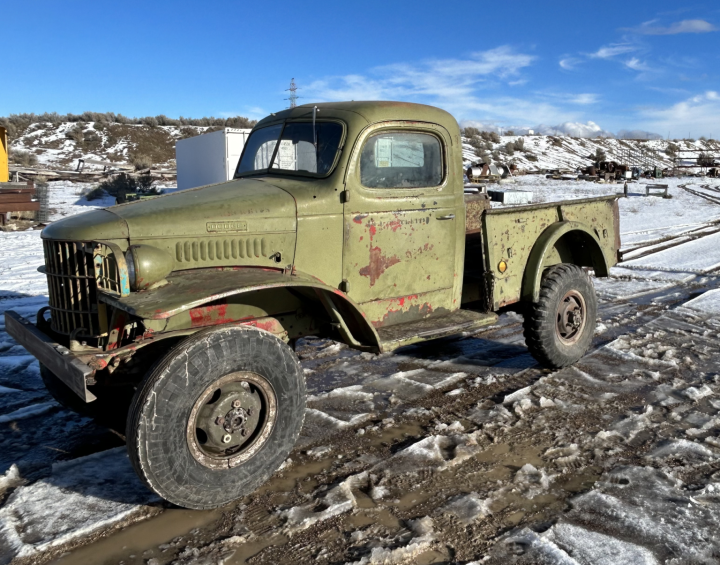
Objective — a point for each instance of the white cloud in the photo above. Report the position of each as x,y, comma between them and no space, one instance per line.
698,115
574,129
636,64
438,78
685,26
613,50
583,98
637,134
586,98
460,86
569,63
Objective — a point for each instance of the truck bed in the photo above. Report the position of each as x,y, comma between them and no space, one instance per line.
508,235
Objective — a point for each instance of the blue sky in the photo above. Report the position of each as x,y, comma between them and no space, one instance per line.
567,66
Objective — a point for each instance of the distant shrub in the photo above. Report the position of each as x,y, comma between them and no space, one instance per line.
671,150
76,134
23,158
141,162
600,155
530,157
519,144
494,137
509,132
91,140
510,148
471,132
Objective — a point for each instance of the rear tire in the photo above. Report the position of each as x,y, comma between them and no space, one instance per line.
560,326
216,417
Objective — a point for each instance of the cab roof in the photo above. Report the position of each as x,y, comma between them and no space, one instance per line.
369,111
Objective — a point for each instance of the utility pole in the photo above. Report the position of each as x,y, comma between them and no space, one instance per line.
293,96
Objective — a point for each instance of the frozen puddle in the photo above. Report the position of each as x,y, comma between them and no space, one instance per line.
79,497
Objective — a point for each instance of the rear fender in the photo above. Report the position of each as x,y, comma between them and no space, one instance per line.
562,242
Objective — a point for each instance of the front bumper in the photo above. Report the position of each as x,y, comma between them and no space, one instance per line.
59,359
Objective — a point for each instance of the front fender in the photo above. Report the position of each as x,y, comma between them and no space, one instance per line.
532,277
188,289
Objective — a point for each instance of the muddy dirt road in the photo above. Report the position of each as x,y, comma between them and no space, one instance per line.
456,451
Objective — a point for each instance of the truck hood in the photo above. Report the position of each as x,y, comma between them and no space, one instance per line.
239,206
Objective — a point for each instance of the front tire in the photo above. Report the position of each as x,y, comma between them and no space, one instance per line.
560,326
216,416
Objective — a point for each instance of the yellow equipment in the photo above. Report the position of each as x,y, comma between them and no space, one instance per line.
4,166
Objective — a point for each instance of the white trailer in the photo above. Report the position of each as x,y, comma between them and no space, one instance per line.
209,158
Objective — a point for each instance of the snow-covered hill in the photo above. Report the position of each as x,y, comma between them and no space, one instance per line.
59,146
542,152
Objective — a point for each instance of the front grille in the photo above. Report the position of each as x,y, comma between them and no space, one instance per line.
72,287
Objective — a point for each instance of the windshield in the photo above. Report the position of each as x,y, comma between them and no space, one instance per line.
298,148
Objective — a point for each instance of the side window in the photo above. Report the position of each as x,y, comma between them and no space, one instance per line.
401,160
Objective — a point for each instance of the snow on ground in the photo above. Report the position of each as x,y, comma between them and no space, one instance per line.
639,415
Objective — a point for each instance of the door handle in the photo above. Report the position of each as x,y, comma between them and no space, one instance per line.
448,217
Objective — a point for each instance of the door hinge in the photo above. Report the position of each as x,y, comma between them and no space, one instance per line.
345,286
345,196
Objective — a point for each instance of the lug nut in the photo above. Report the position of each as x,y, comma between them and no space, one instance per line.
226,438
236,404
219,421
245,384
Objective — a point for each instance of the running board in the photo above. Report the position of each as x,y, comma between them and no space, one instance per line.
433,328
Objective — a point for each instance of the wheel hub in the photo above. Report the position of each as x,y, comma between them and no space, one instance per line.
231,419
570,317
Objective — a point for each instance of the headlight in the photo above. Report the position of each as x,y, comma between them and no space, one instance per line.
147,266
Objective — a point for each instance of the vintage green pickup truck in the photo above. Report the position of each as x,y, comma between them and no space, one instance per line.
344,220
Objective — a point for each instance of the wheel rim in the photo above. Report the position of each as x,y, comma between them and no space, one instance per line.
231,420
571,317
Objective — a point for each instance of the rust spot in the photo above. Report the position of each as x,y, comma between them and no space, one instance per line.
268,324
394,225
209,315
378,264
404,314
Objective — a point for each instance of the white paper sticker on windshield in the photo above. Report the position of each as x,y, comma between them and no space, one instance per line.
286,155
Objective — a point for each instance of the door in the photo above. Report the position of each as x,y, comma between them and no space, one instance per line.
400,220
